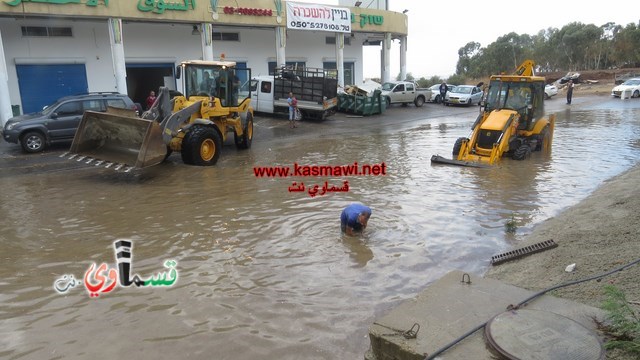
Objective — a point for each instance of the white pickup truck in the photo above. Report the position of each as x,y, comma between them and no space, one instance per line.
315,89
405,92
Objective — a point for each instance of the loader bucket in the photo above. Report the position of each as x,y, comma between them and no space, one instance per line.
119,139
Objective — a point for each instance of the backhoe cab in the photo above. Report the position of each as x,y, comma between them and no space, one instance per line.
216,102
512,122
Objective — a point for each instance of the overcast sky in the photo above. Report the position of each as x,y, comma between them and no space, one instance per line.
437,29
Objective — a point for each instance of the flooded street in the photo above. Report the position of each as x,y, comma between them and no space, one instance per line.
262,272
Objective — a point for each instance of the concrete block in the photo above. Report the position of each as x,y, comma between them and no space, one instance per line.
449,308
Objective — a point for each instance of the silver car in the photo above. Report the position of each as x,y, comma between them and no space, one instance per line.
435,93
464,95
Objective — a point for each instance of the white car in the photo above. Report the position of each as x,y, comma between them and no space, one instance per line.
550,90
435,93
464,95
631,85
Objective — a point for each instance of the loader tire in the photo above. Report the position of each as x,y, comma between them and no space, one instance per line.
201,146
244,141
543,140
522,152
457,146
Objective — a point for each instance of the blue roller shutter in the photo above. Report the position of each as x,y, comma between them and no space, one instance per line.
41,85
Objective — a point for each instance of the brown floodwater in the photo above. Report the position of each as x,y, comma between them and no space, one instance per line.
264,273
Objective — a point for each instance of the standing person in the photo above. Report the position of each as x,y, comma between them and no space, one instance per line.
223,90
207,85
151,99
293,106
515,101
569,91
354,218
443,91
235,90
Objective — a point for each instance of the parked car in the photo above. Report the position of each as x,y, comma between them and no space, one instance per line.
550,90
59,121
435,93
464,95
631,85
405,92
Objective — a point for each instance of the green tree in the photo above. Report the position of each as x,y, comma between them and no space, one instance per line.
546,50
409,77
457,79
435,80
625,46
507,53
574,47
423,83
465,54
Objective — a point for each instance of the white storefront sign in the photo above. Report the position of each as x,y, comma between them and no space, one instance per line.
317,17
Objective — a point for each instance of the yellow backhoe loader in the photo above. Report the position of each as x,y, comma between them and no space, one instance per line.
512,122
216,102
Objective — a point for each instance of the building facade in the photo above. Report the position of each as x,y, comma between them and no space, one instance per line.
52,48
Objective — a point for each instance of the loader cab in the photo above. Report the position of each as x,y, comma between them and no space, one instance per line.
517,94
216,79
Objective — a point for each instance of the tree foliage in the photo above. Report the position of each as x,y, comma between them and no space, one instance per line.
409,77
423,83
574,47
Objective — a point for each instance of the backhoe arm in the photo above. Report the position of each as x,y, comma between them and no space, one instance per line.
525,69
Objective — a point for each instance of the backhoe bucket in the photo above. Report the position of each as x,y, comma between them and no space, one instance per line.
437,159
120,140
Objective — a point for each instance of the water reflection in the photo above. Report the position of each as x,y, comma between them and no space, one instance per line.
358,250
265,273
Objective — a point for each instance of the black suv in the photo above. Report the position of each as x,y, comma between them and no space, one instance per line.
59,121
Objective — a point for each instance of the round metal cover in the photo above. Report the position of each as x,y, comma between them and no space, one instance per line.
541,335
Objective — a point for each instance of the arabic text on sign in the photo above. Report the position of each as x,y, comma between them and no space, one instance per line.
57,2
160,6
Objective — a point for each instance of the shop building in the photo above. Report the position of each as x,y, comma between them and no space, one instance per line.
53,48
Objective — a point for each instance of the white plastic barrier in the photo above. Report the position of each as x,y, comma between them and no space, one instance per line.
626,94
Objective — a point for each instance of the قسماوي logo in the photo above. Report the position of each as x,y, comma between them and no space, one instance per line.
103,279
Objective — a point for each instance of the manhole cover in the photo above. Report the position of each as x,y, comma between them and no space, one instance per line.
535,334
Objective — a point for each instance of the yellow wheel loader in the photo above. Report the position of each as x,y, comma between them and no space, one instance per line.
512,122
216,102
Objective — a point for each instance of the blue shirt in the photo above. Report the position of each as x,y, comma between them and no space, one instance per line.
349,216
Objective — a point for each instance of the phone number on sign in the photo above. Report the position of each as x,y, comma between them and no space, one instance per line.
317,25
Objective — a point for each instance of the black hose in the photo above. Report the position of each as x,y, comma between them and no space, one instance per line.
470,332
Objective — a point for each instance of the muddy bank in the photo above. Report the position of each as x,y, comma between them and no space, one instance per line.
599,234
